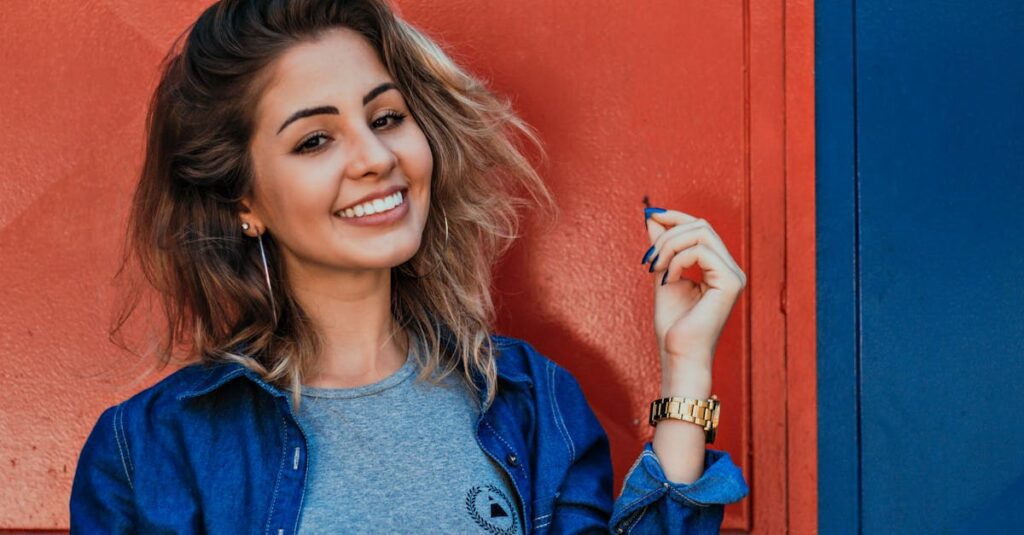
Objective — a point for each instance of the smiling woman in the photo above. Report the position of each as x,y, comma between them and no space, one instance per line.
301,135
347,148
323,196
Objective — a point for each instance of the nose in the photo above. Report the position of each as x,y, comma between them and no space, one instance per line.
368,154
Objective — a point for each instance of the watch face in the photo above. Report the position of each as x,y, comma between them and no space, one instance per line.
714,415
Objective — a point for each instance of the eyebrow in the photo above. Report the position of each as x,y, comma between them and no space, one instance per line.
320,110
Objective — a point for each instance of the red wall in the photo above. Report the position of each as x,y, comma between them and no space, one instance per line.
707,107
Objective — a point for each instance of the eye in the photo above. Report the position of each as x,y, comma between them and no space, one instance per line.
305,146
309,145
397,116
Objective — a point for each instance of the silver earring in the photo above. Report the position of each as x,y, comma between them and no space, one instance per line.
245,226
266,272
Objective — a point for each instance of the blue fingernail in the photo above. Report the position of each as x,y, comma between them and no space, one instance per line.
663,277
652,210
647,255
655,261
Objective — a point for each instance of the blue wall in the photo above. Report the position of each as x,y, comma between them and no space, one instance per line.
920,181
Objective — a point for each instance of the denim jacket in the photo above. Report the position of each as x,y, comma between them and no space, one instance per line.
215,448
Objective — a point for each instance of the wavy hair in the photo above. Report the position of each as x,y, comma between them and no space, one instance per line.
183,225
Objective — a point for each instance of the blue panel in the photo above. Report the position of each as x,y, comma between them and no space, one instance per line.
940,162
838,443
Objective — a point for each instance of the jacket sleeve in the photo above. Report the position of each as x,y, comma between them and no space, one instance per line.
102,490
648,503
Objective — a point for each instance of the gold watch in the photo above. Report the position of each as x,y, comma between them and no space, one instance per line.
703,412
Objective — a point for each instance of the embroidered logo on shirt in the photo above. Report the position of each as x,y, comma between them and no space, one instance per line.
492,510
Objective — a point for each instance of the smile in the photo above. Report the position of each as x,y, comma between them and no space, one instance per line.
381,211
376,206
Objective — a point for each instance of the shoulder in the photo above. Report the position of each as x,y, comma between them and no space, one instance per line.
150,408
519,359
516,356
163,394
112,446
564,415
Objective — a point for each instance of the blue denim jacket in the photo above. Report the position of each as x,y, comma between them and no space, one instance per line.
215,448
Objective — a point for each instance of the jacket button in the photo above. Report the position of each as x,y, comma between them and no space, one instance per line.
512,459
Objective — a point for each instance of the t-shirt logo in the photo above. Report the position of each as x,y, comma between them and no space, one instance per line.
492,510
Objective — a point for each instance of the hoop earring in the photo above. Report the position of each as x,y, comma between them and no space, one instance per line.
266,273
411,274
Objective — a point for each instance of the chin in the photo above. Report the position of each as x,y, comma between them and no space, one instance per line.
392,250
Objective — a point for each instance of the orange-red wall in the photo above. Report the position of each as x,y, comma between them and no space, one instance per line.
707,107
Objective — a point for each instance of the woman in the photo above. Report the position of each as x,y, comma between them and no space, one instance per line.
323,195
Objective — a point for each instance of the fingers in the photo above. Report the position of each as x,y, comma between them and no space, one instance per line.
658,222
688,231
717,273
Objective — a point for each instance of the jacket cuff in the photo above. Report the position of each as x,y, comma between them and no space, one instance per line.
721,483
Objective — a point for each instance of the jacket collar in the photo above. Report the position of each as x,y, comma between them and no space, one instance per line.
212,376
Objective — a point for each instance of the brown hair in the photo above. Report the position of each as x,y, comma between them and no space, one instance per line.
184,228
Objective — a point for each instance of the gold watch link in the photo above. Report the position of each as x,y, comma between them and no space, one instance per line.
703,412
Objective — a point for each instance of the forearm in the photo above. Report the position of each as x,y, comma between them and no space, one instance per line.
679,445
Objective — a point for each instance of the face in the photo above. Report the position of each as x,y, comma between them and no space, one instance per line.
342,170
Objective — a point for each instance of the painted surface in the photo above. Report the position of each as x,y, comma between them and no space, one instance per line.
921,175
704,107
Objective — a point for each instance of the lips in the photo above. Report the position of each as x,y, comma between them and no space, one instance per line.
376,195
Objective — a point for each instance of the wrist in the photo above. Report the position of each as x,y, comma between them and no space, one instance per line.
691,380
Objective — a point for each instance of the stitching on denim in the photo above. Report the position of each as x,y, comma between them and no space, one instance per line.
625,522
120,422
192,387
207,388
302,494
522,466
280,471
507,445
641,498
559,422
117,438
553,499
671,488
538,526
629,473
636,519
688,499
128,450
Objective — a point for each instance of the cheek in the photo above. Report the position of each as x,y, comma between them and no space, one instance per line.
295,188
417,160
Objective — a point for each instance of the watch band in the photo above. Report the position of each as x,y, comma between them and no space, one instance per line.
703,412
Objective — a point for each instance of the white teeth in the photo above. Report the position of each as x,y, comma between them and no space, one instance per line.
373,207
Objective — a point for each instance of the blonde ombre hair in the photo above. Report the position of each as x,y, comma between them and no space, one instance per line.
184,230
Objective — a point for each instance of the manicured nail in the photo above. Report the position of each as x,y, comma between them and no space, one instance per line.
663,277
653,261
652,210
647,255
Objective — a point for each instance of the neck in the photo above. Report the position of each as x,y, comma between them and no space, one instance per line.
352,312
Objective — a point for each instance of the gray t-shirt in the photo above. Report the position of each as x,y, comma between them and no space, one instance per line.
399,456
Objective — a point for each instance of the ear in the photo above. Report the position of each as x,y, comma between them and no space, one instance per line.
246,215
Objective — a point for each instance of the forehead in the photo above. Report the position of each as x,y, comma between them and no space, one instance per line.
339,67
